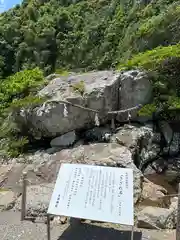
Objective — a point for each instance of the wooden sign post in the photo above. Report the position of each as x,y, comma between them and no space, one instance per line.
23,201
178,216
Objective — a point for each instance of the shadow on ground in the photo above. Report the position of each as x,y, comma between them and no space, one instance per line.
91,232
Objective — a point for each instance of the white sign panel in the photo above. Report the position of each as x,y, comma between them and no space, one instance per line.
95,193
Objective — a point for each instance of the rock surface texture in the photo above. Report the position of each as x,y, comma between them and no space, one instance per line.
38,198
102,154
156,218
154,195
138,139
65,140
96,90
110,154
135,89
103,91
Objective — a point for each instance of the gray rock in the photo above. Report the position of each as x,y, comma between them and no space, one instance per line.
173,147
154,195
53,150
100,134
130,135
135,89
149,170
52,76
174,203
65,140
156,218
138,140
53,118
170,168
38,198
109,154
97,90
167,131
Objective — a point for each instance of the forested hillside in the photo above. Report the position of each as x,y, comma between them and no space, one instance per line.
94,34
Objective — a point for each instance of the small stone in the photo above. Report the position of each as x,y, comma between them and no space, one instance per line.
65,140
60,220
63,219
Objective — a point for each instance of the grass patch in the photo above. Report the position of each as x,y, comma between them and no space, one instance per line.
79,87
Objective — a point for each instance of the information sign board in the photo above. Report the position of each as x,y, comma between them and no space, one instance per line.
94,192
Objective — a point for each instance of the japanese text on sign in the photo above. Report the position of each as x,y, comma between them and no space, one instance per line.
94,192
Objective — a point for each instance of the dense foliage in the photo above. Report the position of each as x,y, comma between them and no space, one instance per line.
95,34
17,91
163,64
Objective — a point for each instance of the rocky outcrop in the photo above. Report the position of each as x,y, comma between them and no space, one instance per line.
135,89
145,145
95,90
98,134
154,195
102,154
110,154
102,91
65,140
156,218
138,139
122,150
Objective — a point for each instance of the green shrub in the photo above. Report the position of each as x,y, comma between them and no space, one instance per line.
164,65
173,102
62,72
22,84
147,110
151,59
16,92
12,143
79,87
26,102
13,147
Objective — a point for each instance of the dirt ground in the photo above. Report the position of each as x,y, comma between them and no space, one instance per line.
12,228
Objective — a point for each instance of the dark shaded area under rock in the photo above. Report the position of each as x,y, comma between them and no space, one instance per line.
89,232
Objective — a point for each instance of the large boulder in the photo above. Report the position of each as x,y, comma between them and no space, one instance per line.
102,154
94,90
40,172
101,91
139,140
65,140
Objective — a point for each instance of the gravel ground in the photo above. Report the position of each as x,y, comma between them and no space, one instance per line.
11,228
